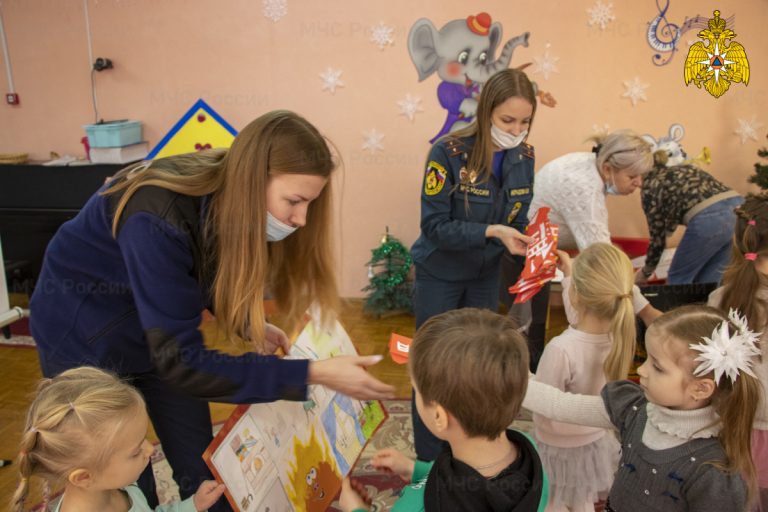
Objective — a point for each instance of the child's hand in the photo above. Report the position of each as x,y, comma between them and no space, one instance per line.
564,263
353,496
207,494
394,461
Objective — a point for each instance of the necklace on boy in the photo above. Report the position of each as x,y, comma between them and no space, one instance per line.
493,464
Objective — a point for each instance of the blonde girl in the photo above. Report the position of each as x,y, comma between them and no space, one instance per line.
597,348
745,287
86,432
685,428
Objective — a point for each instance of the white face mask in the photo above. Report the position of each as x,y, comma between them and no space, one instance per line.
504,140
277,230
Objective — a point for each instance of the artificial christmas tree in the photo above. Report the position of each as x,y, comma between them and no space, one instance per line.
388,273
760,178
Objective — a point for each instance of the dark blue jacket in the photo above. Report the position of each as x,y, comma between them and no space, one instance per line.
452,245
134,304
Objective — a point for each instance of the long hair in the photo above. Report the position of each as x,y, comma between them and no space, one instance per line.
73,422
499,88
602,281
623,149
741,279
735,403
298,270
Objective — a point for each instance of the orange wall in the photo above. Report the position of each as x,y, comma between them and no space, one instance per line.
168,53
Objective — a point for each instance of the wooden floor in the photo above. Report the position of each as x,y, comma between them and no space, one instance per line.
19,372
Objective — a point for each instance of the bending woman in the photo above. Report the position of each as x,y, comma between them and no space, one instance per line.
124,283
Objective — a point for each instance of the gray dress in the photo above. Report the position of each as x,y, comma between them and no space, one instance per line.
681,478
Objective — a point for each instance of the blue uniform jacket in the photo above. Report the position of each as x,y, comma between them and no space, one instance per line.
133,304
452,245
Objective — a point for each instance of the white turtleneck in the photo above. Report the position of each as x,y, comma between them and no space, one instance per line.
665,428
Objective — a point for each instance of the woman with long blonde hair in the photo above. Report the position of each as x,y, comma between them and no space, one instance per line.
124,284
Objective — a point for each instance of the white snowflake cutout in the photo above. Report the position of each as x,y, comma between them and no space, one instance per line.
600,14
635,91
546,64
372,141
274,9
748,129
605,129
381,35
409,106
331,80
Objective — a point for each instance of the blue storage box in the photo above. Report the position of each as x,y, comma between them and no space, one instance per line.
113,134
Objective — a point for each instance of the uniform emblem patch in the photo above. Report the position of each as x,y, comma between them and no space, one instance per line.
435,178
514,211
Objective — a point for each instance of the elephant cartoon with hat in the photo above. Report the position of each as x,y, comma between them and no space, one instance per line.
462,55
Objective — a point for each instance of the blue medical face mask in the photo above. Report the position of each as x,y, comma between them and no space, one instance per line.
611,189
504,140
277,230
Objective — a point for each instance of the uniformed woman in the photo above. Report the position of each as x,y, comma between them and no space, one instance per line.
125,282
478,184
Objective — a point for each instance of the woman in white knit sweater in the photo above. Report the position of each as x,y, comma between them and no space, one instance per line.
574,186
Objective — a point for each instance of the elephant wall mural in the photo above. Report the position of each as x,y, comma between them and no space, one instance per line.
462,54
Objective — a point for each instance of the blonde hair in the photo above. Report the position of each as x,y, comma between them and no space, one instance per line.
602,281
298,270
474,363
742,280
735,403
623,150
503,85
72,423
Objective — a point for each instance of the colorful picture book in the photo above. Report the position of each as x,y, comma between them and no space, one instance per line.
285,456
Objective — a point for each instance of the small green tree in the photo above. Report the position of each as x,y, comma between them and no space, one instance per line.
760,178
388,273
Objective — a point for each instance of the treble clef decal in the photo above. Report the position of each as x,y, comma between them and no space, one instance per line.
664,36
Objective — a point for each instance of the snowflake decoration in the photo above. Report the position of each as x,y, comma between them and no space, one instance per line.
372,141
601,130
748,129
274,9
546,64
409,106
727,354
331,79
635,91
600,14
381,35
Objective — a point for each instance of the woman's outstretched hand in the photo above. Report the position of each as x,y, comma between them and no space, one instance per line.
347,375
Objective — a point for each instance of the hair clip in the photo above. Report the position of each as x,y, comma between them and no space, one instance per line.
596,148
23,453
751,222
751,256
71,406
625,296
33,430
725,354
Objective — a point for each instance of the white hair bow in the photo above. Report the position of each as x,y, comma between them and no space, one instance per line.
726,354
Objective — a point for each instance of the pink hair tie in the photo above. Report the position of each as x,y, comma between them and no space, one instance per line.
752,222
751,256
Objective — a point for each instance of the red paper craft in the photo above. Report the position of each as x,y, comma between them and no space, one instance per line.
399,346
540,258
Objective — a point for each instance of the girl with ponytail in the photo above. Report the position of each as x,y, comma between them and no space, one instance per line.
685,428
597,347
86,432
745,287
